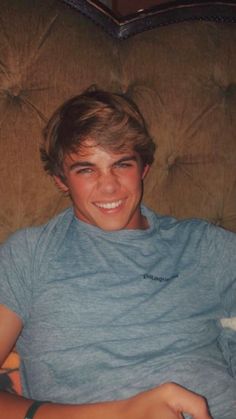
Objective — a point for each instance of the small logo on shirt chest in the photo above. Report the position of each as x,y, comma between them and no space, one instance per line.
160,278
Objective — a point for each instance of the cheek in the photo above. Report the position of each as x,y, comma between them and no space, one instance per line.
133,182
81,189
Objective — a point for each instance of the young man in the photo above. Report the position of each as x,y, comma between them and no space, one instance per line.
109,300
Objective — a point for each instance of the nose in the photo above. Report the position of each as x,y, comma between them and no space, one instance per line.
108,183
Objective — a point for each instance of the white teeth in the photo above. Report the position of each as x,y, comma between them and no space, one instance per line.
109,205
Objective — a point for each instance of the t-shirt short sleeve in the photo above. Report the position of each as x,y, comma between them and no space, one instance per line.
220,254
16,274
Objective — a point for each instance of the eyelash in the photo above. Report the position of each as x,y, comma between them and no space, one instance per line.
84,170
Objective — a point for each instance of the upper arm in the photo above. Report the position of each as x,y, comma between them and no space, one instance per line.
10,328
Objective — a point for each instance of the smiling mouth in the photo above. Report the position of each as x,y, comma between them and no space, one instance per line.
109,205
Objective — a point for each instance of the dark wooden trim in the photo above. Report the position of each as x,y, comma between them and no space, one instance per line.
122,27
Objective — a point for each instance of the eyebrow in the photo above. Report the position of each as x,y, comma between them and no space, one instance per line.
84,163
126,158
80,164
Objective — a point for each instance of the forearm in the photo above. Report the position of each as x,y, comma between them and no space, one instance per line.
15,407
12,406
167,401
104,410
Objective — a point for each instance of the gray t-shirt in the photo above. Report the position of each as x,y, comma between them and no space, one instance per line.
109,314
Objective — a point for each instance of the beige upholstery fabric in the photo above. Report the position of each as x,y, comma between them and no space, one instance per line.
183,77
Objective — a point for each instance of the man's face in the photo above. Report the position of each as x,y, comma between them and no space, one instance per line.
105,187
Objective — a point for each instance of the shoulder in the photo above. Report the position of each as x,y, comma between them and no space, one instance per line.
28,239
169,225
193,230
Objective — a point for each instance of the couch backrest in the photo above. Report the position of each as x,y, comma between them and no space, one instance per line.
182,76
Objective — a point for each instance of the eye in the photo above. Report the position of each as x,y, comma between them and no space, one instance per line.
84,171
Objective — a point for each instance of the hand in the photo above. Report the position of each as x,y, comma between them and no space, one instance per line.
168,401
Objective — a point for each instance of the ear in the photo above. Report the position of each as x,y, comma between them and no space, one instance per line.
60,184
145,170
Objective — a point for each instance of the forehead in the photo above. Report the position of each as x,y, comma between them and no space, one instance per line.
90,151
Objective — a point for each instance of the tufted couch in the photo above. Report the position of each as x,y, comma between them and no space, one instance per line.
182,76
